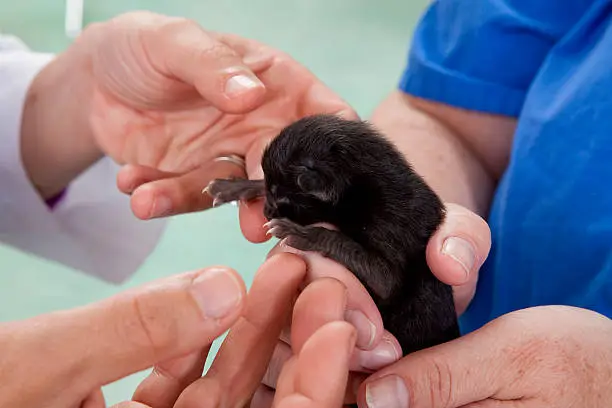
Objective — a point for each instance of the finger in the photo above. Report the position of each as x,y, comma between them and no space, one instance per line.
386,352
352,387
361,361
263,397
458,249
282,354
168,380
182,49
132,176
181,194
320,99
286,382
361,311
95,400
132,331
242,360
130,404
321,370
210,395
252,219
450,375
324,301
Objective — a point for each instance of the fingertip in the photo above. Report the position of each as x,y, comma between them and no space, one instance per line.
141,202
446,267
132,176
386,352
252,221
240,91
219,292
287,262
460,246
125,179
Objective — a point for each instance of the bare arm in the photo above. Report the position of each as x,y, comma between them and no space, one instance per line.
460,153
57,143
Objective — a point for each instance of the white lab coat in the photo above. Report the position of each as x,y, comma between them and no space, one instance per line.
92,229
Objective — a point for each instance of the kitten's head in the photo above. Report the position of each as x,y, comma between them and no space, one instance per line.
308,168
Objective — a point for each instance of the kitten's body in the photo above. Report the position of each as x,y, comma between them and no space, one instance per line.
325,169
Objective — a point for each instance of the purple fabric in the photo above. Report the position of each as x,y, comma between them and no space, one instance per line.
53,201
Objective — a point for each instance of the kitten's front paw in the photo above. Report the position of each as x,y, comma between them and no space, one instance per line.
225,191
282,228
221,191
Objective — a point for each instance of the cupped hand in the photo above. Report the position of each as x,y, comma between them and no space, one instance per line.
549,356
168,97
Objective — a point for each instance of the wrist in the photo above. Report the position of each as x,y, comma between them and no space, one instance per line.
57,142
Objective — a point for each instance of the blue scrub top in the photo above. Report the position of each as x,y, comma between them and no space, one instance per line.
548,63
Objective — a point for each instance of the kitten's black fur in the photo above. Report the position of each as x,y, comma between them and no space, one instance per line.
326,169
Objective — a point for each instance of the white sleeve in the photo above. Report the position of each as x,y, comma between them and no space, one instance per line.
92,229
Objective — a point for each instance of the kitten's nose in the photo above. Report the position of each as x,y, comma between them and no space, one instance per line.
269,209
273,207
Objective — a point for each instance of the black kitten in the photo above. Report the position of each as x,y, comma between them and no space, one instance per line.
326,169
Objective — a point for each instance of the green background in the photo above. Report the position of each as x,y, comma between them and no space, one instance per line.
357,47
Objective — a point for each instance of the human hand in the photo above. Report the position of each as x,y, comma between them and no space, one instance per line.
544,356
62,359
165,98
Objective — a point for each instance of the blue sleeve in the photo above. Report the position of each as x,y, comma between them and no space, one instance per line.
484,54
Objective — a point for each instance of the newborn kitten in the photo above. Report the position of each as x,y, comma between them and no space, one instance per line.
324,169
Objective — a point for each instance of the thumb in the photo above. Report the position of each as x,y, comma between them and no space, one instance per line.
450,375
457,250
134,330
180,48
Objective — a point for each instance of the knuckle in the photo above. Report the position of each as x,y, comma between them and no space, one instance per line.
213,52
440,383
148,328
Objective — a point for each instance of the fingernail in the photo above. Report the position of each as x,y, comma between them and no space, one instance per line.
461,251
381,356
162,206
216,292
387,392
366,331
239,84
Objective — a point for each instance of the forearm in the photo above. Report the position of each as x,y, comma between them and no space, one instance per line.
453,167
56,140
